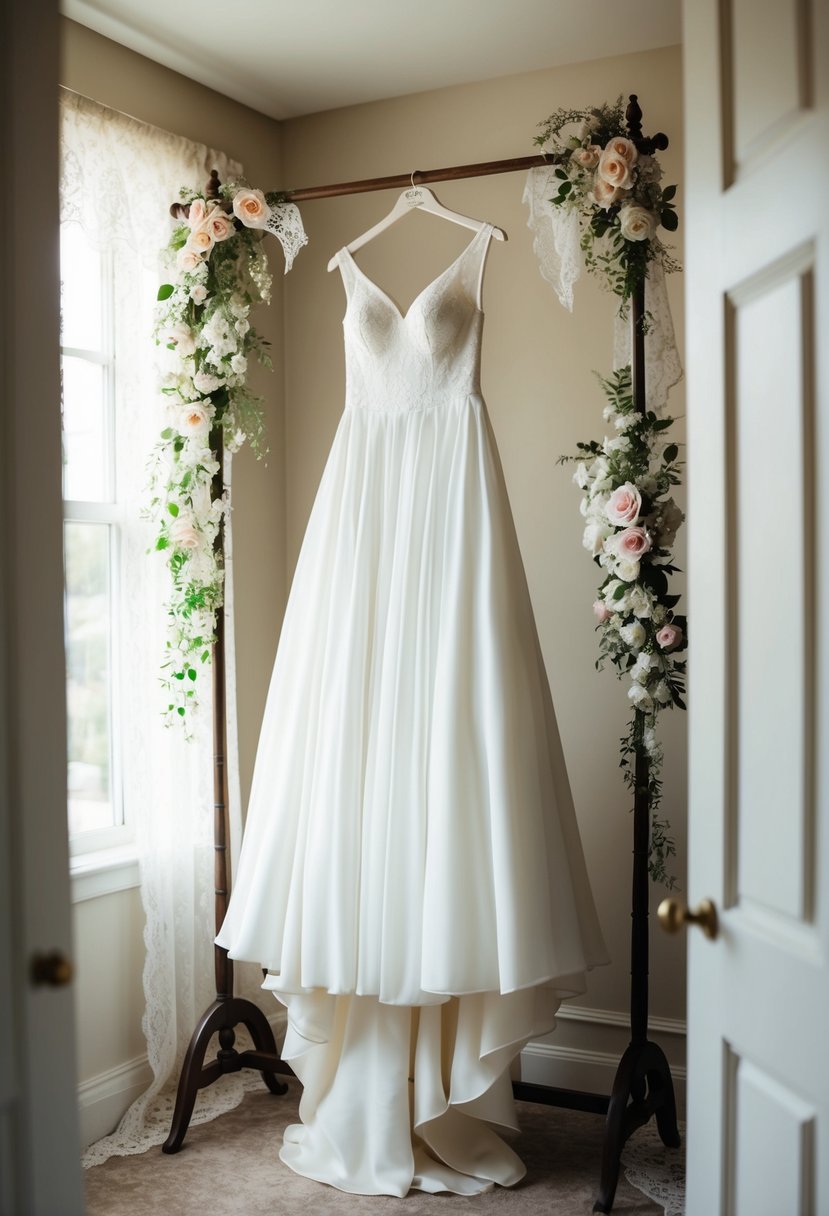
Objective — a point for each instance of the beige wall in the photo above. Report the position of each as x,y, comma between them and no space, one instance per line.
542,397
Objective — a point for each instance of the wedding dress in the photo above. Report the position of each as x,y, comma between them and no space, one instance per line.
411,873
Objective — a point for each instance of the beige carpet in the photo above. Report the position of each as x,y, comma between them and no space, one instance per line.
230,1167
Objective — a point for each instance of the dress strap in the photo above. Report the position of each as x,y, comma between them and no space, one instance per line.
473,261
348,270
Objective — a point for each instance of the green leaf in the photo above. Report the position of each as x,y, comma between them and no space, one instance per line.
165,291
180,711
167,433
162,542
192,673
561,174
173,509
668,193
670,220
671,452
619,592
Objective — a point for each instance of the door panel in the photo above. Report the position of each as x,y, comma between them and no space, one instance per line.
757,174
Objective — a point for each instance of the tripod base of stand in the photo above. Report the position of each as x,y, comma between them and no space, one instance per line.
642,1089
223,1016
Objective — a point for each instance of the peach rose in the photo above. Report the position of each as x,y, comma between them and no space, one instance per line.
587,157
603,194
624,505
196,213
623,148
614,170
200,241
195,418
250,207
219,225
669,637
601,611
636,223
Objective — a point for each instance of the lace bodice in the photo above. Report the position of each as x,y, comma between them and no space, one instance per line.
399,361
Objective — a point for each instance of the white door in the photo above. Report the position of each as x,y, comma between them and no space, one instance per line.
39,1144
757,178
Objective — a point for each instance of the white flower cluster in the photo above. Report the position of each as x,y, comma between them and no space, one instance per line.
217,271
631,522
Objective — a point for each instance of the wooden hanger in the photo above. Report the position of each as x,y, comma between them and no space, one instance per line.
422,198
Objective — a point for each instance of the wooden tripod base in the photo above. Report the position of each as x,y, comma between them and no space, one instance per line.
223,1016
642,1089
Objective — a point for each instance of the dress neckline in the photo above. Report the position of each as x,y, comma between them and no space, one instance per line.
401,314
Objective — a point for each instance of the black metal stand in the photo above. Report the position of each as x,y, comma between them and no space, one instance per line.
643,1087
227,1011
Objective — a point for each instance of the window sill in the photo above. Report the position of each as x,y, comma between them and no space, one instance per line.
104,872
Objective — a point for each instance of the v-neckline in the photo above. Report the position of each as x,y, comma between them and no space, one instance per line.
400,313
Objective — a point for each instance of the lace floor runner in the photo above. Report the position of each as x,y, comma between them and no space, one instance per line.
657,1171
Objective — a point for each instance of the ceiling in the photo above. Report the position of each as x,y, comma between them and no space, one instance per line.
292,57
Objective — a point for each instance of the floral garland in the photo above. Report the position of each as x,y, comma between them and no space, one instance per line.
631,524
614,190
611,187
217,272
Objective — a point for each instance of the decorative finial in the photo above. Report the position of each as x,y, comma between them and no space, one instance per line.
211,190
647,145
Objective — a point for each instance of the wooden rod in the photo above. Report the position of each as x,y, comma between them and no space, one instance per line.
401,180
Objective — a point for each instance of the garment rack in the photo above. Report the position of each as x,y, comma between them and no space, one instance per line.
643,1088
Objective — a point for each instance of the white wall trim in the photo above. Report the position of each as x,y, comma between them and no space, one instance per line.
610,1017
104,872
103,1099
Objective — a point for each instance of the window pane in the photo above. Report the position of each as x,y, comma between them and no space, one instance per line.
80,290
85,455
88,608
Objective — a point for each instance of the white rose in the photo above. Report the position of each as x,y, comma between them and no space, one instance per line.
188,260
239,364
595,534
242,326
581,477
641,602
603,194
620,443
663,693
627,570
206,383
641,669
633,635
640,697
181,337
198,294
636,223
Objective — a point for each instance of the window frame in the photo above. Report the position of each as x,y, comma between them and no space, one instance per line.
95,850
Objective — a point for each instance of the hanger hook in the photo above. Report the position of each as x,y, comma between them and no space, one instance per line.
413,177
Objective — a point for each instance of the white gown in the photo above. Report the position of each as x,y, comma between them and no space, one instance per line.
411,873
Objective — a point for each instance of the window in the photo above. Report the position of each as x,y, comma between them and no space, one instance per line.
92,549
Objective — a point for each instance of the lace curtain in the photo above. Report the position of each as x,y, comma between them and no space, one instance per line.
556,245
118,178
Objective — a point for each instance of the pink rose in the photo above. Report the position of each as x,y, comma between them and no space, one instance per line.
184,534
603,194
632,544
615,170
669,637
188,260
587,157
250,207
623,148
219,225
601,611
624,505
196,213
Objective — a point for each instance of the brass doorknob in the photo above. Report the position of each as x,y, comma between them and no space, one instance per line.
52,970
673,916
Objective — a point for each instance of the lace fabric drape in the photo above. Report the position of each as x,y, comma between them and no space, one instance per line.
556,245
118,178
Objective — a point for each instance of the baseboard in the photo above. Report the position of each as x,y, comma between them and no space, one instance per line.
103,1099
582,1069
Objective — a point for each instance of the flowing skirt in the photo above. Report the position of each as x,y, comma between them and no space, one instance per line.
411,874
